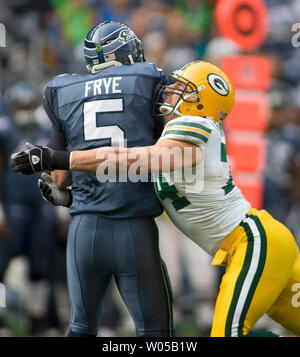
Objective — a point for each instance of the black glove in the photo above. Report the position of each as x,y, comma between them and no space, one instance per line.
52,194
39,158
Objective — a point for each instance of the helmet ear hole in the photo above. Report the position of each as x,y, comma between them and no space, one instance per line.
200,107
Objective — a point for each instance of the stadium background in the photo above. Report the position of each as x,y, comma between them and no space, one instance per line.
44,39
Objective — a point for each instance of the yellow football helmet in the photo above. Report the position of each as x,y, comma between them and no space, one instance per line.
207,92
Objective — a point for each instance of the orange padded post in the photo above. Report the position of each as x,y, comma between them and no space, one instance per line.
246,23
249,113
248,72
251,187
247,152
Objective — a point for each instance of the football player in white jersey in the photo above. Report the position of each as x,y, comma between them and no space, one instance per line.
260,254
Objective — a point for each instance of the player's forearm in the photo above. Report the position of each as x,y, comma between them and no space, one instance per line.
84,160
62,178
119,158
166,155
89,160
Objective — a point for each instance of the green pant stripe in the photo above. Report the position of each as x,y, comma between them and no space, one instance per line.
259,270
243,294
240,280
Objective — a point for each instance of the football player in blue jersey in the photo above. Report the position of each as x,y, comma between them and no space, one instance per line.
26,215
112,232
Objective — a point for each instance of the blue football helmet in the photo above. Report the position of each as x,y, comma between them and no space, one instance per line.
22,100
111,44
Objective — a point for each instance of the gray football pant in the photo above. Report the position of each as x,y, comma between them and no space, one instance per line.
100,248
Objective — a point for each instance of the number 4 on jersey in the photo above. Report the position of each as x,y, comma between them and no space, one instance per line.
170,191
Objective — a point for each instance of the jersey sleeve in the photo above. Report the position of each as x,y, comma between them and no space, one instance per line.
57,140
196,130
51,106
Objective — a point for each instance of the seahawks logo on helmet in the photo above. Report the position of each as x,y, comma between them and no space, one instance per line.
126,35
218,84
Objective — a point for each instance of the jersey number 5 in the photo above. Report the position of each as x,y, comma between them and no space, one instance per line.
94,132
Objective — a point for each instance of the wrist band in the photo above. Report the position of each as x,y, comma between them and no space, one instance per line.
61,160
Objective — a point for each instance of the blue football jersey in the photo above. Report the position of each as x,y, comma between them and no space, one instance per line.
112,108
17,187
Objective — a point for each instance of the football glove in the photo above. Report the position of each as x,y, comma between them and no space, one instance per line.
52,194
39,158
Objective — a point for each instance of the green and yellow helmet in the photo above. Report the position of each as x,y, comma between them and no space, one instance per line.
207,92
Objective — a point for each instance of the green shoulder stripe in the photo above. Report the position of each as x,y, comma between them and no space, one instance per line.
189,124
184,133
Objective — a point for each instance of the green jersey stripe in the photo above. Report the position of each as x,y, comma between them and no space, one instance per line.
190,124
186,134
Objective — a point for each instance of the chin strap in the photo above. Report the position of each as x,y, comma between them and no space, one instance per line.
167,109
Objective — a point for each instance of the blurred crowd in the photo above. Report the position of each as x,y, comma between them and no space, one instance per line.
44,39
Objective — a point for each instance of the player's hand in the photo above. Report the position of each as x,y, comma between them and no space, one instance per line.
33,159
52,194
39,158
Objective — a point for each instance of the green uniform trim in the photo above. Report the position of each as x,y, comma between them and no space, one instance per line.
170,191
189,124
259,270
185,134
229,185
243,275
223,152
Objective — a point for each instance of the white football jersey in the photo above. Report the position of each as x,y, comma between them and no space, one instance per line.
205,205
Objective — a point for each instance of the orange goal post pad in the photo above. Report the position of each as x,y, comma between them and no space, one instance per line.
246,151
251,186
248,72
249,113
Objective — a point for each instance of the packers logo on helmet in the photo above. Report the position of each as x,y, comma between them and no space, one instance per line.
218,84
205,91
